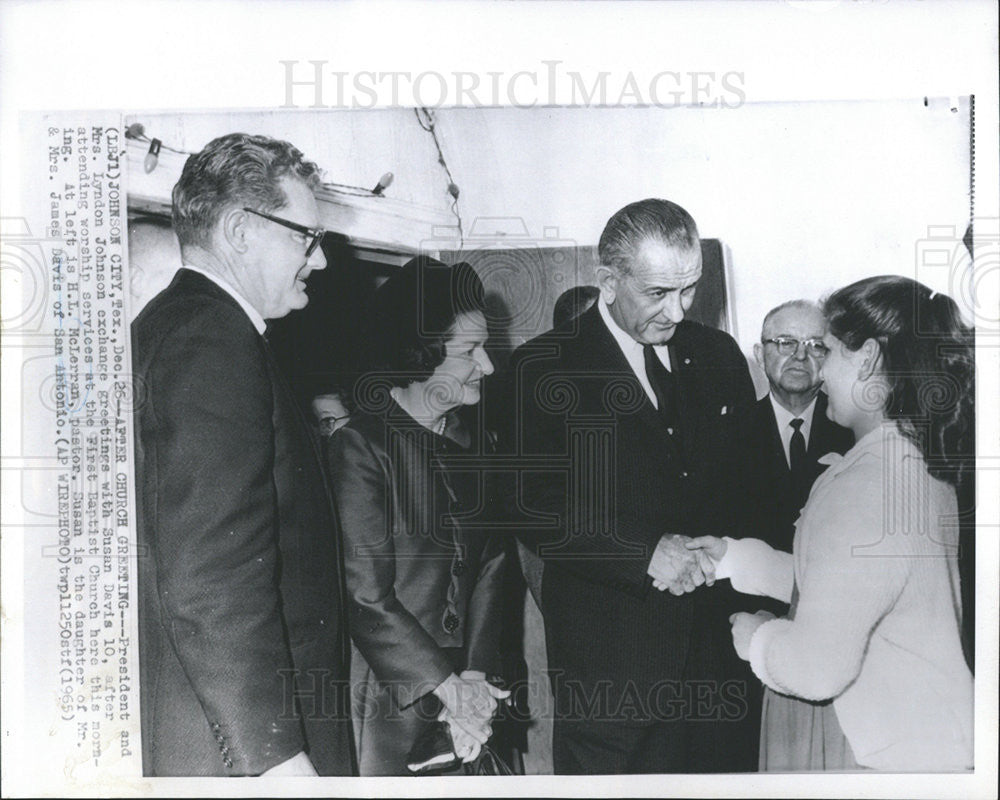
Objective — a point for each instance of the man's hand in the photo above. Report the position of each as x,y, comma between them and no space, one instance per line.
744,627
710,550
674,567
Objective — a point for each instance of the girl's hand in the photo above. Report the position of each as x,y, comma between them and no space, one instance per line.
744,627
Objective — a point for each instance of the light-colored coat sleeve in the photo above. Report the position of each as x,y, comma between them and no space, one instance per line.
843,591
754,567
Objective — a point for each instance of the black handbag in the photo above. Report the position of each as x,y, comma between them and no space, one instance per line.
433,751
488,762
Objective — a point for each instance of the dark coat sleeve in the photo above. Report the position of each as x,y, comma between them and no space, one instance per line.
404,657
485,618
216,537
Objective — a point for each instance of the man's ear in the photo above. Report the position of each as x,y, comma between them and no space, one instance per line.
236,229
758,354
871,359
607,282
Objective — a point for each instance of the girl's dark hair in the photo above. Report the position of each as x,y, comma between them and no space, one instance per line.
412,315
927,356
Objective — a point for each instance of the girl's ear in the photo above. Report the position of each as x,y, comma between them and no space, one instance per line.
871,358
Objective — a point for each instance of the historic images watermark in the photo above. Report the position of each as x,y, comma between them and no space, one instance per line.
317,84
317,695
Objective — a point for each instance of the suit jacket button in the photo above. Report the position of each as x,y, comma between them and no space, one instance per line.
451,622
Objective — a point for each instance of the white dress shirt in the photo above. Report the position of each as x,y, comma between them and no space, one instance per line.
632,350
784,418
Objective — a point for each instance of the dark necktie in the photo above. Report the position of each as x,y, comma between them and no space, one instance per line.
661,381
797,461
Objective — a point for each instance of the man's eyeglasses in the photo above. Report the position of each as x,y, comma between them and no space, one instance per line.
313,235
787,346
331,424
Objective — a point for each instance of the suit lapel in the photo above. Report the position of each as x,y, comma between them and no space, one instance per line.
287,410
687,385
698,400
819,438
602,352
776,448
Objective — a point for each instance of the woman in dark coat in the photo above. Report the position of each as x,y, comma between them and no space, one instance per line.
423,583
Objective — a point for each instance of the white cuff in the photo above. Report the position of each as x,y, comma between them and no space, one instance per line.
754,567
724,566
760,645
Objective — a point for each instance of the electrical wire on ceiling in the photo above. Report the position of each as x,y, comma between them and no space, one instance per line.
137,132
346,188
426,119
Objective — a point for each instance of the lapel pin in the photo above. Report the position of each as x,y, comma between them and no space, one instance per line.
724,410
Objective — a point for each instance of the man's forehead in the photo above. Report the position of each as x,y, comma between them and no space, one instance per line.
801,321
329,402
657,262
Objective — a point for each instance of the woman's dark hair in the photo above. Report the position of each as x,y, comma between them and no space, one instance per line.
412,315
926,356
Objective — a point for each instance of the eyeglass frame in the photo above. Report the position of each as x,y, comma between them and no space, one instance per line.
316,234
329,423
811,346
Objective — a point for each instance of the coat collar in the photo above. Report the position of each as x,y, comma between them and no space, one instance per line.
225,286
455,433
874,443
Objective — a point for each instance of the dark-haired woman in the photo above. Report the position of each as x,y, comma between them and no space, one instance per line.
873,582
423,586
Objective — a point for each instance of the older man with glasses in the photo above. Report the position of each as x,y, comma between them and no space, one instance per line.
243,650
791,426
789,431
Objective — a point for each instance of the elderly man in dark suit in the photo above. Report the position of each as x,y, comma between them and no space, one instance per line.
791,429
789,433
629,425
241,609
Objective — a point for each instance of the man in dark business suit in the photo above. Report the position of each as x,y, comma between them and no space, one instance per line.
791,429
241,609
628,423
